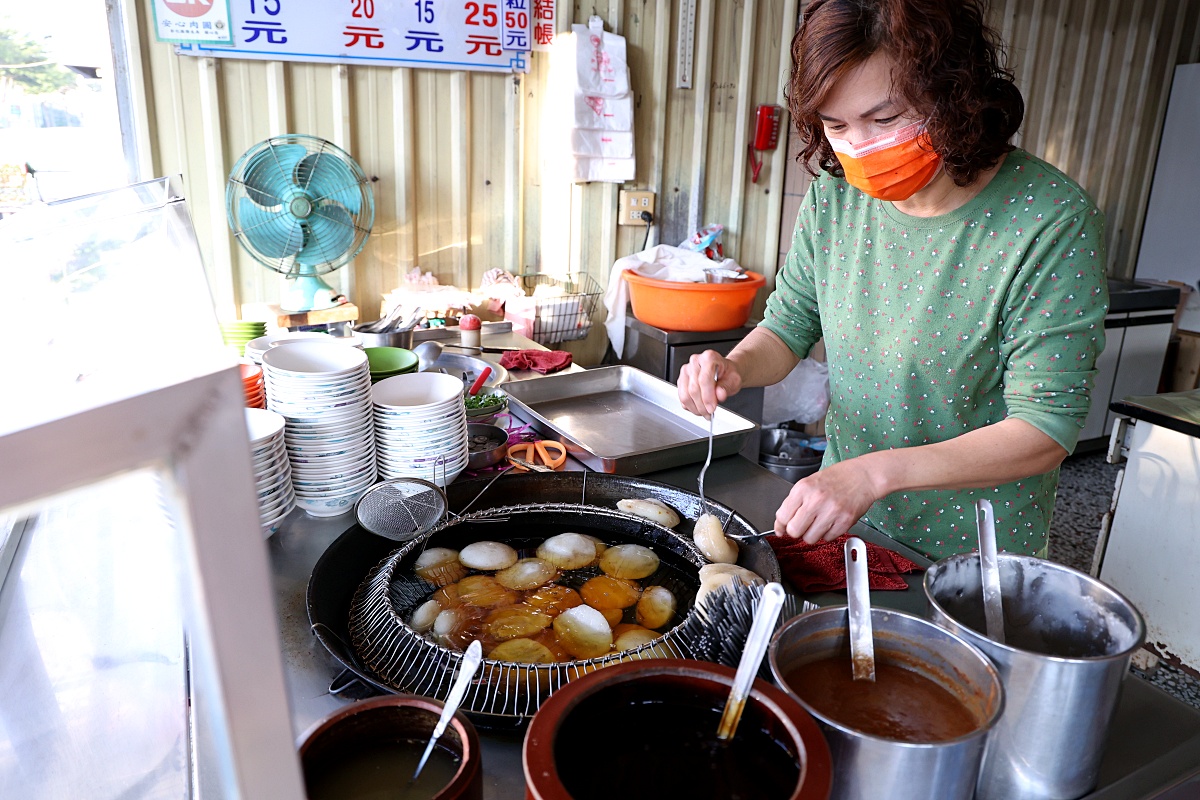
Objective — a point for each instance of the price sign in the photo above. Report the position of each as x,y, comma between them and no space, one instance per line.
437,34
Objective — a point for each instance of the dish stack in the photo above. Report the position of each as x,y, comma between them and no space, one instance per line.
321,388
237,334
420,427
254,386
386,362
272,470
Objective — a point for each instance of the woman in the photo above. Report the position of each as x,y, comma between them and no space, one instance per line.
958,283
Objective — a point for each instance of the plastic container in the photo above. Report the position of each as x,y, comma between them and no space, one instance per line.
676,306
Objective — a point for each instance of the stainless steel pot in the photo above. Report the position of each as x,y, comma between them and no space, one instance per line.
867,766
1069,641
487,444
402,339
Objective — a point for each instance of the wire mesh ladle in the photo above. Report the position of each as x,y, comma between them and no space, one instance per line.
401,509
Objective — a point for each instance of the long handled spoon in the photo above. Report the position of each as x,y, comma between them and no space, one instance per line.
712,423
466,671
862,644
752,655
993,606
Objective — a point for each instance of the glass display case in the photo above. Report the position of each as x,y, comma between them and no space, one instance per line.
140,646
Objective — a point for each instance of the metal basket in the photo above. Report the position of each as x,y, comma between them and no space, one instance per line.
563,317
408,662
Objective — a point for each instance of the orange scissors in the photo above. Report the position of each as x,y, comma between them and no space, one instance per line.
530,452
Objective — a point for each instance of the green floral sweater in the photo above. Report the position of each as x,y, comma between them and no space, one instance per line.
935,326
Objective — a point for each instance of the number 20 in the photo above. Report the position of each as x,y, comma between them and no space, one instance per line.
363,8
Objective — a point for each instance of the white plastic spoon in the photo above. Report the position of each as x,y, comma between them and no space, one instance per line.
466,671
862,643
993,606
752,655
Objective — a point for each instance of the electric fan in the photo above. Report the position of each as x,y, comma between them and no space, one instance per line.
303,207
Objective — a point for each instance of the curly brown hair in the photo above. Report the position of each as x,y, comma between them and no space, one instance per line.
950,70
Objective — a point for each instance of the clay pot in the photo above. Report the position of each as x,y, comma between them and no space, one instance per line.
374,732
647,729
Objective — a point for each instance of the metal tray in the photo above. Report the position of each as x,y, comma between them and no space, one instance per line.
623,421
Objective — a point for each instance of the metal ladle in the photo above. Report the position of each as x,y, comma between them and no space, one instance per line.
752,655
993,606
862,644
466,671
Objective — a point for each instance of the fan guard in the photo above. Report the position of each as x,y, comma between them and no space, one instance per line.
303,207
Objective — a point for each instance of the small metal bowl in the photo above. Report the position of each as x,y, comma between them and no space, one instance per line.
486,445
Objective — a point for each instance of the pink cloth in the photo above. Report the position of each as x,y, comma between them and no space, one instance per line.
543,361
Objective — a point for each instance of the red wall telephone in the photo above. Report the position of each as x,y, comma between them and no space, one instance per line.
766,127
767,120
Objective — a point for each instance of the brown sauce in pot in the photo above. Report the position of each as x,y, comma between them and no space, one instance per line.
900,705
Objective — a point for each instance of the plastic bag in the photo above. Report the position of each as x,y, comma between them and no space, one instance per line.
803,396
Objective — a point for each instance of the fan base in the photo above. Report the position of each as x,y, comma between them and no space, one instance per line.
308,293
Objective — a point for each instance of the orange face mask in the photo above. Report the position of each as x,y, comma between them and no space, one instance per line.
892,166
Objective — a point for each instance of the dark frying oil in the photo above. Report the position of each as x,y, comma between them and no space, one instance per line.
899,704
379,770
648,742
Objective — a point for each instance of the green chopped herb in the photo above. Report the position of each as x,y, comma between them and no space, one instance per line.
484,400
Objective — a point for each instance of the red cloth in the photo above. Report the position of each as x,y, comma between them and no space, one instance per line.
821,567
543,361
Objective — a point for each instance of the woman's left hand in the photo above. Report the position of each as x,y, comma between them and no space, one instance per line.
827,503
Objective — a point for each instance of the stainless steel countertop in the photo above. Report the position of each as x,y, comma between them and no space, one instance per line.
1154,747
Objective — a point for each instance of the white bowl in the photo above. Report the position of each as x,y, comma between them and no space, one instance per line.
324,358
440,479
335,483
315,458
262,425
326,418
415,390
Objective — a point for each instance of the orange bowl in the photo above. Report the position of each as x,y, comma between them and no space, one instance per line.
676,306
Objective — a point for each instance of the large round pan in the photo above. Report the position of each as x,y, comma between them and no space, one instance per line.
346,562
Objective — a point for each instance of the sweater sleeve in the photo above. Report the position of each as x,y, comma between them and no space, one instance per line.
792,312
1052,326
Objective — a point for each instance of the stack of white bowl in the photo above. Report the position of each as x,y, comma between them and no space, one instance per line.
256,347
322,389
272,469
420,426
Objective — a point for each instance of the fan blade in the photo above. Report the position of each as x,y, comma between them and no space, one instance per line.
270,173
330,234
324,176
274,234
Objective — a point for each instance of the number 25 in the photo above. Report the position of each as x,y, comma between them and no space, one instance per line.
489,14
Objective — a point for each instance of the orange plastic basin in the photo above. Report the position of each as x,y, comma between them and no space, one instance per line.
676,306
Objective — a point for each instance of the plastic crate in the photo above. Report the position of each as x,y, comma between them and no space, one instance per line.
555,309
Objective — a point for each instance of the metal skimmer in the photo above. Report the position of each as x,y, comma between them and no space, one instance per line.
408,662
401,509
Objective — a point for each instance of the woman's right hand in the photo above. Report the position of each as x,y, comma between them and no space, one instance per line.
698,392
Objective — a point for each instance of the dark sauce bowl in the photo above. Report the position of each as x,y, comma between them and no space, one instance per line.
384,733
648,729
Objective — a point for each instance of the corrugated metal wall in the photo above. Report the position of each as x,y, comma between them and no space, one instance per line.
459,187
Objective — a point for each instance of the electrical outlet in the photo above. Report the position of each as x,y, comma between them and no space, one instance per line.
630,206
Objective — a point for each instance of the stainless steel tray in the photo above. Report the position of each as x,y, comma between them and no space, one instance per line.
623,421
